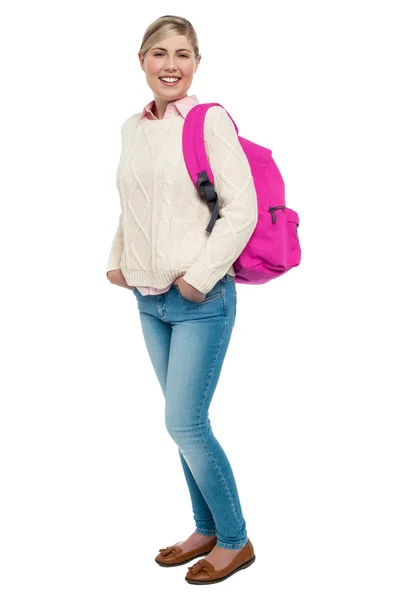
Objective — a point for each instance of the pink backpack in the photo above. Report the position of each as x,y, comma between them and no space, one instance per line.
273,249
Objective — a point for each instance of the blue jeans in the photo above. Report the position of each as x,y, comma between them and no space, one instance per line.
187,342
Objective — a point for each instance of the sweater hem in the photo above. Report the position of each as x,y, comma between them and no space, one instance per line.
156,279
205,279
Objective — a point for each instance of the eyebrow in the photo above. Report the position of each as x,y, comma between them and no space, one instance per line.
165,50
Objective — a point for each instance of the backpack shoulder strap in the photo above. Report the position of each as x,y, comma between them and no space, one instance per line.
193,141
196,158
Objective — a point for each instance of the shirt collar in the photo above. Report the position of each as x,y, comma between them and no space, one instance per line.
173,109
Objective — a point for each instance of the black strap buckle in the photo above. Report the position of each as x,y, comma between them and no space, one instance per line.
208,192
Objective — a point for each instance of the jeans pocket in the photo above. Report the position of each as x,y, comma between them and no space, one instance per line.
208,298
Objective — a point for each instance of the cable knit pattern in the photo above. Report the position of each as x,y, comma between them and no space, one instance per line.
173,109
161,234
168,178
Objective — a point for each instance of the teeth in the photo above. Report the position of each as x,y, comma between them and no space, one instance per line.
169,79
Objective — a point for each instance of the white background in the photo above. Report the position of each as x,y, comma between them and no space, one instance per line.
307,404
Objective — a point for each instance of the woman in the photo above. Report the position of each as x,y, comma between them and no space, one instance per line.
183,280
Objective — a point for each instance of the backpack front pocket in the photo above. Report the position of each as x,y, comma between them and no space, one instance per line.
281,237
293,246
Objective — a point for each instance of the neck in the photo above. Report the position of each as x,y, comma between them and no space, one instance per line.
161,104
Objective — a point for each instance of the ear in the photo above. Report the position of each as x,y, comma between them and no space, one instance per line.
141,59
198,61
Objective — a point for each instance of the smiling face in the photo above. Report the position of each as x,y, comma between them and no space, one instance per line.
171,57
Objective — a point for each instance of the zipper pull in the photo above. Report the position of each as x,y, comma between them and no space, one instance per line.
272,209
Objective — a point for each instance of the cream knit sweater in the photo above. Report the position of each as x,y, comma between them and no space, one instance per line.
161,231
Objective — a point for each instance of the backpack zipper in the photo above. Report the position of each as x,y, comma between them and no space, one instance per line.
272,209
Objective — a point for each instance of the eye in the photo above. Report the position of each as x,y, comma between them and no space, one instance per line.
161,54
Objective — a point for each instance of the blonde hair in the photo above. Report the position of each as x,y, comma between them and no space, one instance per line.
168,26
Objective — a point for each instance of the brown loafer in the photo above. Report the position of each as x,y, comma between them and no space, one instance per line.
202,572
172,556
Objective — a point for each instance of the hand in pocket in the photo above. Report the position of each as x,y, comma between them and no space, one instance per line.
188,291
117,278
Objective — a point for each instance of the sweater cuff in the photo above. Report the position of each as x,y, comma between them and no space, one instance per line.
113,264
114,260
111,267
201,277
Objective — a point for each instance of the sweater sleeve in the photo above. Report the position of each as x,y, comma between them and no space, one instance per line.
238,205
114,258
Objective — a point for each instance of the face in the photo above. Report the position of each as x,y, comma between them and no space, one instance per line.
171,57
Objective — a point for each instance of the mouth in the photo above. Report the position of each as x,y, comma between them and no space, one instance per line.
170,81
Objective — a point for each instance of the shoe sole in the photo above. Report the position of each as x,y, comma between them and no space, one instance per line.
243,566
177,564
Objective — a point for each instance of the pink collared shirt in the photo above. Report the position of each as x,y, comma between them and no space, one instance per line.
173,109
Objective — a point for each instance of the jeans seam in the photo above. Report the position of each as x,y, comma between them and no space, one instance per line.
234,546
205,531
224,300
200,428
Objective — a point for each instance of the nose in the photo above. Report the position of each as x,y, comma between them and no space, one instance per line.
169,65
